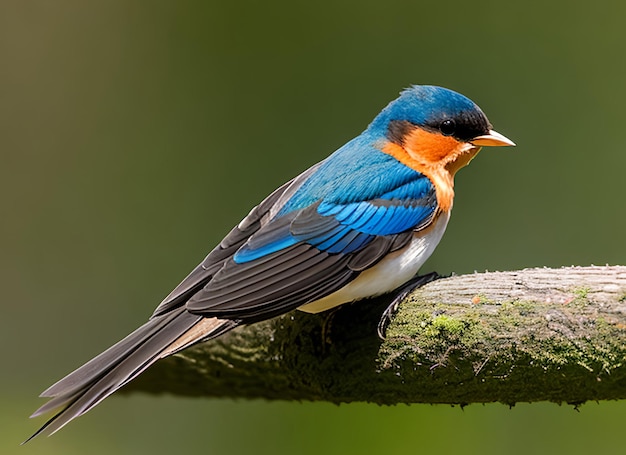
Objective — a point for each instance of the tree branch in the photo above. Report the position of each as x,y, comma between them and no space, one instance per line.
528,335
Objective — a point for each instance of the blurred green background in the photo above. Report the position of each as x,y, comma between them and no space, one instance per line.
134,134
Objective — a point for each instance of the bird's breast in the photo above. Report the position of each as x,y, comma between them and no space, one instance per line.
390,272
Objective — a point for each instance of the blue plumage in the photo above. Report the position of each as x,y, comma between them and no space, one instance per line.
358,171
363,191
340,223
427,106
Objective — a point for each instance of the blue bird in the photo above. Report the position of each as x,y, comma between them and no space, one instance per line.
356,225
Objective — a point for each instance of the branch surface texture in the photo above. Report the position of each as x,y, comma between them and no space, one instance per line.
529,335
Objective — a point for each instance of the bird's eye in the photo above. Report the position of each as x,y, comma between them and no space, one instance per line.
447,127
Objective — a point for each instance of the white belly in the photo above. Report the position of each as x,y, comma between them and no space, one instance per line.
390,273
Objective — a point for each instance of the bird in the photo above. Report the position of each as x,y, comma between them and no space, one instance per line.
356,225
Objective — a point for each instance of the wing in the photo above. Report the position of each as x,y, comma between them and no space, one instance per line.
310,237
237,237
305,254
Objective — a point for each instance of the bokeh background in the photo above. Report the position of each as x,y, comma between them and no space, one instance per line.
134,134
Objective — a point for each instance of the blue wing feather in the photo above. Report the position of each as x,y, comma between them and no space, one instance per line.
247,254
340,242
341,208
351,213
359,242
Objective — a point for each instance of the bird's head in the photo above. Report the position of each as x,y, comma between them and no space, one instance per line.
430,128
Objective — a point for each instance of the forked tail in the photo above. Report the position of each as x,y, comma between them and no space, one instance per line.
87,386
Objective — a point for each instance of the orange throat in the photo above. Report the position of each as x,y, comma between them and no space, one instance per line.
435,156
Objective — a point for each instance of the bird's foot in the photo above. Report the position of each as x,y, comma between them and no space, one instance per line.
404,291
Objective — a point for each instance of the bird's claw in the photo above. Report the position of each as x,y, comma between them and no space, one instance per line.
392,309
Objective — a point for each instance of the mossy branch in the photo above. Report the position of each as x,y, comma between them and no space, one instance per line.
528,335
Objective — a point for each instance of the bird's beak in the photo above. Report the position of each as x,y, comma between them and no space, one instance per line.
493,139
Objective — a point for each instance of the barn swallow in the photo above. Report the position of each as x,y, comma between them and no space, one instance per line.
356,225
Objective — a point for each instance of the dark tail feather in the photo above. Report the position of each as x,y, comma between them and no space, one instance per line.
84,388
100,364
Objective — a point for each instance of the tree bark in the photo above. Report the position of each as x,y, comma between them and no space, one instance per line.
528,335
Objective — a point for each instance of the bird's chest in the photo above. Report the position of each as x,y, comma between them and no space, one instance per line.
389,273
